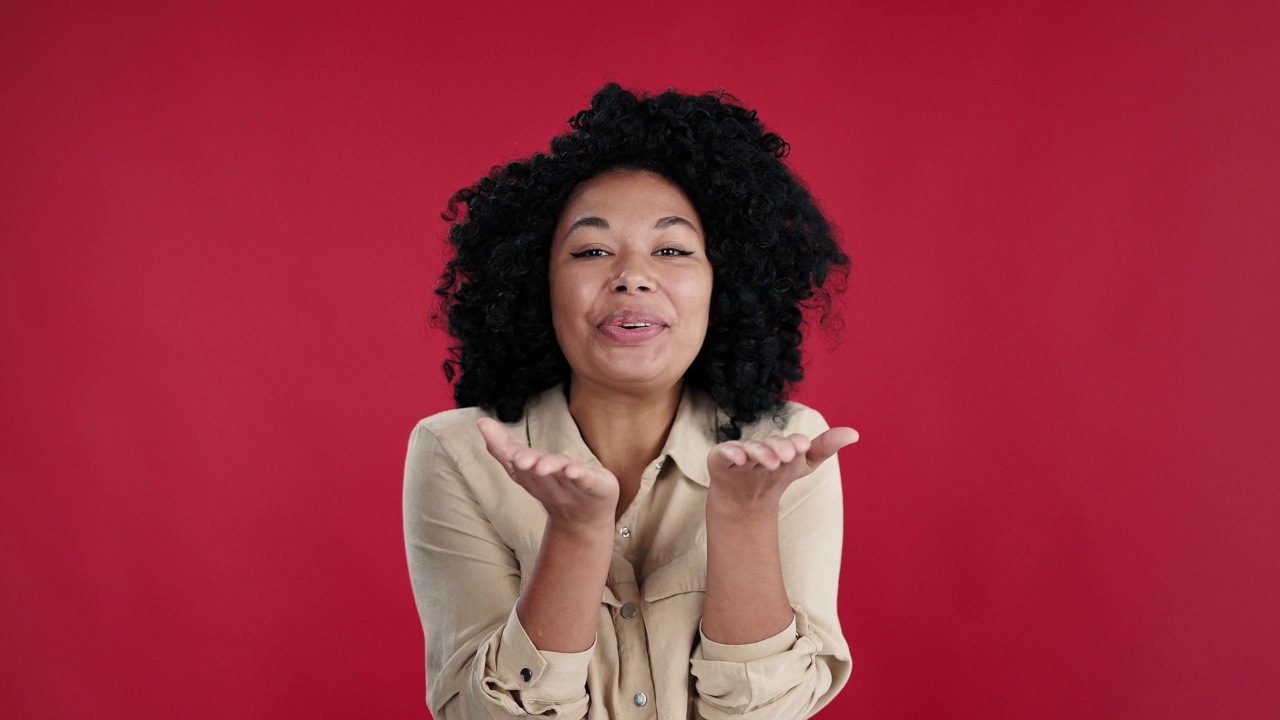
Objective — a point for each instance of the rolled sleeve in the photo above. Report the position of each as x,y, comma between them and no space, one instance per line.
719,652
524,679
734,680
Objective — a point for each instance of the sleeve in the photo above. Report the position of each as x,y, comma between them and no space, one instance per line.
796,673
466,580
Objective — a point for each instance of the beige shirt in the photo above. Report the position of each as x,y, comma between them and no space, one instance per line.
472,535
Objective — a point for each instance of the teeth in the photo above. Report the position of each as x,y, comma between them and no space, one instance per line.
632,326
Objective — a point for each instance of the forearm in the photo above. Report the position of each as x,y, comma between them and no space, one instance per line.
759,669
770,499
560,605
746,600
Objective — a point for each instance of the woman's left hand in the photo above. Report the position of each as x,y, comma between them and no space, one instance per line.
754,473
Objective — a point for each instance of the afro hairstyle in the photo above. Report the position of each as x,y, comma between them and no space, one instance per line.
770,247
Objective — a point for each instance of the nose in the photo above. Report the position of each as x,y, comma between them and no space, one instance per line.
634,276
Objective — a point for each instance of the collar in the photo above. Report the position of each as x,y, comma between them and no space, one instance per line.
549,427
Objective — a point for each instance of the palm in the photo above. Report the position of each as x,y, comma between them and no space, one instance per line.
571,491
758,469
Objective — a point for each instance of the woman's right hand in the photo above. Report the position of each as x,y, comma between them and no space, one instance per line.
575,495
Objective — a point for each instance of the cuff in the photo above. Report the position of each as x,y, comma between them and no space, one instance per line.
743,682
542,677
750,652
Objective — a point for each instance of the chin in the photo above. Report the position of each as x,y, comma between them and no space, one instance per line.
633,378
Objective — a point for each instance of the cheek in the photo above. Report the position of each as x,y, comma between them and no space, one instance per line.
560,315
696,297
569,302
558,288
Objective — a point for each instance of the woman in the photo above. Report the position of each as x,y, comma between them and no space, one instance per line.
625,517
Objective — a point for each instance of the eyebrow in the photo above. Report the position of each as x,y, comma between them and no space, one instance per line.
589,221
602,224
671,221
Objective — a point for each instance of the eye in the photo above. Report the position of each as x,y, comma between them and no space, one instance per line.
590,253
672,252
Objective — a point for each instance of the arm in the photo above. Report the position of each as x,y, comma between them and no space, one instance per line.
771,579
466,582
561,603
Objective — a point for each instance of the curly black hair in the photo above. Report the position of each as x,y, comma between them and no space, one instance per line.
769,245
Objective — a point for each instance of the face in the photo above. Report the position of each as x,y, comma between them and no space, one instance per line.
630,282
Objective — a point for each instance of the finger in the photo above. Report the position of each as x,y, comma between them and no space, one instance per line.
579,477
524,457
496,440
574,470
782,446
548,465
588,479
761,454
801,442
727,455
826,444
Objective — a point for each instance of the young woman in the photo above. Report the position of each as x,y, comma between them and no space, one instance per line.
626,517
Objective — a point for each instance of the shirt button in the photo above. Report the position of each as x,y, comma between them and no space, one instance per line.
658,466
640,699
628,611
625,532
525,674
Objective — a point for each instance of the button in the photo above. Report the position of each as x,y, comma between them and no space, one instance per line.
526,674
658,466
625,532
640,699
628,611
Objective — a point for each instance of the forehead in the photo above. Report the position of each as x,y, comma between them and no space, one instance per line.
622,195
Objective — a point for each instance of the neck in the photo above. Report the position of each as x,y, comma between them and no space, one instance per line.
624,430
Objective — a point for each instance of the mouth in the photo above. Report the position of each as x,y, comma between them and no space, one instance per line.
632,320
632,327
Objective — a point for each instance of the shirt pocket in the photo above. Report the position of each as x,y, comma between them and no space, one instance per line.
610,598
687,573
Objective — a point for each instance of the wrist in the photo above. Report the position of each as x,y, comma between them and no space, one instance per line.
742,506
588,531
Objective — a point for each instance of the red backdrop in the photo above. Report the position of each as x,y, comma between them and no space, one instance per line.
220,230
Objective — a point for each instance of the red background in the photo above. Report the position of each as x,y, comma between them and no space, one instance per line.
220,230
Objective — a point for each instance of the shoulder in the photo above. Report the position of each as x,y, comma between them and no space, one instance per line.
453,422
451,433
449,476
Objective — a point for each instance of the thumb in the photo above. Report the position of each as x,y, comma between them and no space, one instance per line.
826,444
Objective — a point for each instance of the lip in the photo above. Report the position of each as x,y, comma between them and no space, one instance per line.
612,326
632,317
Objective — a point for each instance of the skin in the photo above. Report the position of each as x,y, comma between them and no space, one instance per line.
629,248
